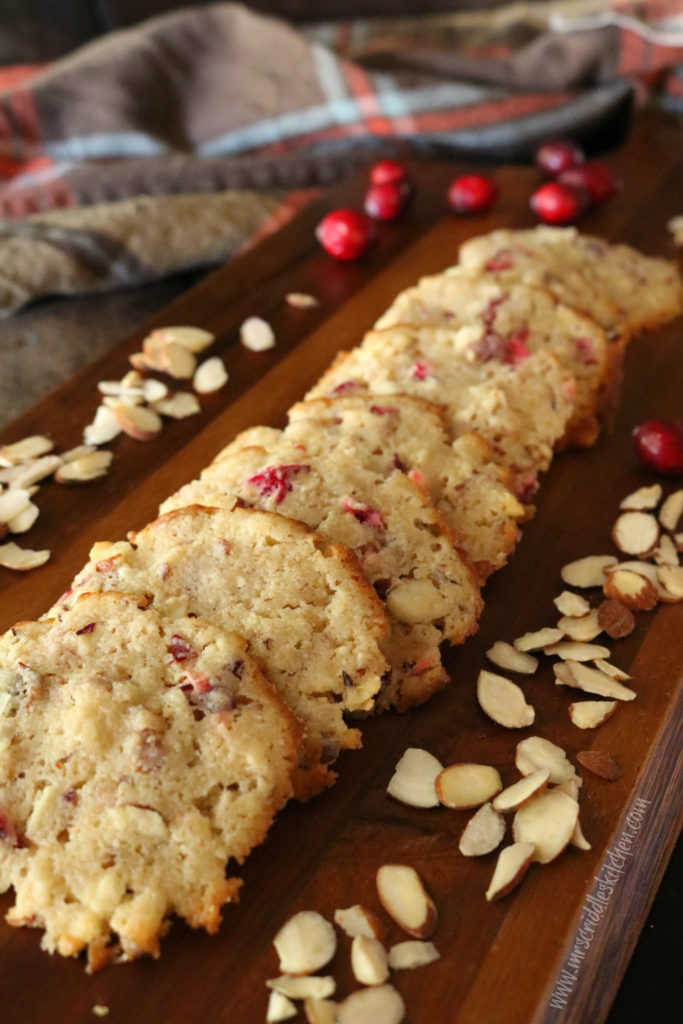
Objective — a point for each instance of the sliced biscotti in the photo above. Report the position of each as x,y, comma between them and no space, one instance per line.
507,322
410,434
303,606
139,754
521,409
623,289
403,543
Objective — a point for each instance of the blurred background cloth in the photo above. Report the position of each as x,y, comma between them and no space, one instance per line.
171,143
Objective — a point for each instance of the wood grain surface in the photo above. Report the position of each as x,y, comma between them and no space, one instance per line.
513,962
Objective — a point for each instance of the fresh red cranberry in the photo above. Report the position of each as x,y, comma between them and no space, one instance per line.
385,201
471,193
556,204
659,444
595,178
388,171
345,234
557,155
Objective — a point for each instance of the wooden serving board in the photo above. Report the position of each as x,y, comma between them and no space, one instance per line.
556,949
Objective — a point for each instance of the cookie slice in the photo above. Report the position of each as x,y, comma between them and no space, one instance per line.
495,321
410,434
138,756
623,289
521,410
404,545
303,606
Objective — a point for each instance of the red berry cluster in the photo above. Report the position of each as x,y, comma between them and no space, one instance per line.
574,183
348,234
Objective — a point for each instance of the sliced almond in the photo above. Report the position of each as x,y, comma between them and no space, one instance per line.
666,552
195,339
406,900
137,421
21,559
643,498
632,589
13,502
611,670
590,714
279,1008
37,469
23,522
591,680
583,628
372,1006
616,619
154,390
568,603
512,865
578,839
88,467
636,533
103,429
587,572
571,787
416,600
503,701
511,798
577,651
462,786
671,578
177,361
256,334
178,406
548,821
305,943
23,451
358,920
140,361
538,639
210,376
599,762
303,987
538,754
413,781
483,832
300,300
678,541
117,389
671,510
320,1011
506,656
369,961
405,956
77,452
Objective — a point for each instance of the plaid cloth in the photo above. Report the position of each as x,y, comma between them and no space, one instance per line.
217,98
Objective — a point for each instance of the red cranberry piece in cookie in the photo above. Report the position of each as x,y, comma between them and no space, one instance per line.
276,481
345,234
471,193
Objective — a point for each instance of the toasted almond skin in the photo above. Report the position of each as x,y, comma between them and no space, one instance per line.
587,572
601,763
616,619
631,589
512,865
406,900
462,786
483,832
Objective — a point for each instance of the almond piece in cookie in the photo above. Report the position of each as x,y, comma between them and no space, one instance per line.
503,701
406,900
512,865
636,533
